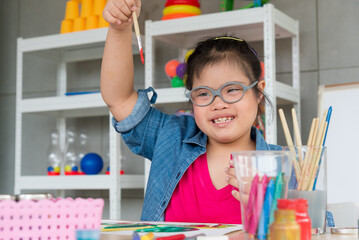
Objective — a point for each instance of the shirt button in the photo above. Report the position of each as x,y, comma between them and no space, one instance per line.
163,203
178,175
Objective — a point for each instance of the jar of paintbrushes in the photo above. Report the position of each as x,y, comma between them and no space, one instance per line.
309,175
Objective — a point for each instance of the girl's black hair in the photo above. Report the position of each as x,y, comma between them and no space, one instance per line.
225,48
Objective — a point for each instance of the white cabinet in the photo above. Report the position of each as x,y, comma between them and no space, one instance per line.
61,50
257,24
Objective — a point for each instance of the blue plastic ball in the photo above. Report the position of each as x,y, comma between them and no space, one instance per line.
91,163
50,169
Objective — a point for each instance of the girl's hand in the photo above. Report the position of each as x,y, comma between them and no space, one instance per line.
232,180
118,13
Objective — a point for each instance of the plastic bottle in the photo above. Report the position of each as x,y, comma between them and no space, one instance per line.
303,219
54,155
70,154
284,225
82,150
300,206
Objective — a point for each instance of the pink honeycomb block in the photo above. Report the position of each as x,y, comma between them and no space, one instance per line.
48,219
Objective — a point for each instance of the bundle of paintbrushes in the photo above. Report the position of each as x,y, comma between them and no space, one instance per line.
307,158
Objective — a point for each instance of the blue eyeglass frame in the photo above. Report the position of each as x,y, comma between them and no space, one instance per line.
218,92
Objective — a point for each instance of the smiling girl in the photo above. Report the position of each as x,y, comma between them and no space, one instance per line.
191,179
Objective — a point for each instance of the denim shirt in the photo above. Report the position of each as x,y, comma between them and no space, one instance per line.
172,143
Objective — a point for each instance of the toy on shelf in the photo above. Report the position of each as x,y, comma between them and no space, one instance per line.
82,150
180,9
181,112
91,163
227,5
90,16
176,71
71,167
54,155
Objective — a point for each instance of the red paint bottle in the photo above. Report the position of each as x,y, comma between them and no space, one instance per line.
303,219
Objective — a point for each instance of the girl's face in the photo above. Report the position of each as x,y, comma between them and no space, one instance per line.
226,122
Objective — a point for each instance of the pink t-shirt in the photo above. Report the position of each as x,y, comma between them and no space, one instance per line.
195,199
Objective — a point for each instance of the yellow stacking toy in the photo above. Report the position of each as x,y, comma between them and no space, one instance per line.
90,16
180,8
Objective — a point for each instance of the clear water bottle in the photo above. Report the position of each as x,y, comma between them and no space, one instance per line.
71,167
54,155
82,149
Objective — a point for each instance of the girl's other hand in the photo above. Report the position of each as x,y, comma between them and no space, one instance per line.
118,13
232,179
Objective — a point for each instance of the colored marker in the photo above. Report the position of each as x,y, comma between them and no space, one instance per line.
135,236
148,236
173,237
261,190
277,194
251,203
263,222
195,237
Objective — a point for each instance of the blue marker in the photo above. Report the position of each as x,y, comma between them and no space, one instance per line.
264,219
277,195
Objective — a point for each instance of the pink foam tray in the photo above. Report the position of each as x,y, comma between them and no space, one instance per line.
48,219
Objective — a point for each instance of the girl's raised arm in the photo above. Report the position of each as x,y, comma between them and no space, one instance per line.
117,70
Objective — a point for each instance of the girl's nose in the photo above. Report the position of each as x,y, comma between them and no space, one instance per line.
219,104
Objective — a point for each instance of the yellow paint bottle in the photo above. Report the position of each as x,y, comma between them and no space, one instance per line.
284,226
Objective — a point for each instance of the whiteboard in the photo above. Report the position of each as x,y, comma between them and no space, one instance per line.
342,141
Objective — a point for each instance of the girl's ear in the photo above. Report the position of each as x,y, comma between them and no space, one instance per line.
261,85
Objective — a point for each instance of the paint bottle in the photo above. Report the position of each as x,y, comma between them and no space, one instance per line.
303,219
300,206
284,225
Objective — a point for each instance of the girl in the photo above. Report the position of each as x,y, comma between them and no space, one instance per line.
191,179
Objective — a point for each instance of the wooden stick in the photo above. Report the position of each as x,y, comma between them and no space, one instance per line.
309,156
289,142
313,128
298,139
138,35
317,151
319,155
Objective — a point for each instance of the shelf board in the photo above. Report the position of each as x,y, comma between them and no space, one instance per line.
66,106
285,94
185,32
70,47
128,181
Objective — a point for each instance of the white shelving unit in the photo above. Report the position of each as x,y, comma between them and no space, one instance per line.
63,49
257,24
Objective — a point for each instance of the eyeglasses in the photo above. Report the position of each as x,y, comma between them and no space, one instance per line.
230,92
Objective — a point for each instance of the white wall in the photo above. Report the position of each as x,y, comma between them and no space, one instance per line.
328,48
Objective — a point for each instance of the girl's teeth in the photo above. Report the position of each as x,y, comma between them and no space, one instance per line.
222,120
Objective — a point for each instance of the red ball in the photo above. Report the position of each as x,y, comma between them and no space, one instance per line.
171,67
